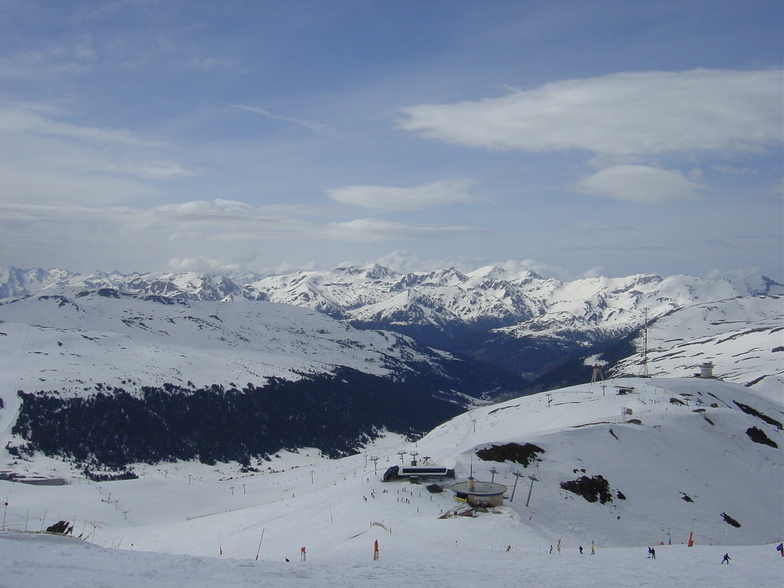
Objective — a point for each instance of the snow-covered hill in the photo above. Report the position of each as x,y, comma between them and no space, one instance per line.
675,453
516,320
116,377
678,456
742,337
74,341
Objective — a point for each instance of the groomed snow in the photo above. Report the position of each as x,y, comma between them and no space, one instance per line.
42,561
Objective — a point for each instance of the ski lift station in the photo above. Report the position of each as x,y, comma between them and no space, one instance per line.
416,472
478,493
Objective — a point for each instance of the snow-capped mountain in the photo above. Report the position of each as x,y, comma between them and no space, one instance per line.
519,321
187,285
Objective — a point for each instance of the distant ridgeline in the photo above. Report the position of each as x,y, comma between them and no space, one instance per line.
335,413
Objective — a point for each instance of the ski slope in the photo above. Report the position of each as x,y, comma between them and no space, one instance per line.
196,525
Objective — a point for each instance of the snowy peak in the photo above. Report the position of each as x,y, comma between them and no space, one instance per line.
17,282
472,297
515,320
189,285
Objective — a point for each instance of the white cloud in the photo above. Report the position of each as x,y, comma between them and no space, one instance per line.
150,170
640,183
733,170
369,230
594,272
624,114
225,222
415,198
592,227
192,222
202,264
207,210
404,261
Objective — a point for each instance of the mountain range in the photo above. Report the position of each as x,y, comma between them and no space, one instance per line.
332,360
515,320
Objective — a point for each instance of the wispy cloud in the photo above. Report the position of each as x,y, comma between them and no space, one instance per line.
315,127
47,157
414,198
40,120
370,229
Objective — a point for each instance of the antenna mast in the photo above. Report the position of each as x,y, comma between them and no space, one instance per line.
645,373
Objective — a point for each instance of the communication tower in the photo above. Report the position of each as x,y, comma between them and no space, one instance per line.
645,373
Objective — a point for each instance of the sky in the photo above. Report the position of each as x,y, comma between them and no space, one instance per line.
574,138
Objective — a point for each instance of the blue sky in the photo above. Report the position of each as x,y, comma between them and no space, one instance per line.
573,138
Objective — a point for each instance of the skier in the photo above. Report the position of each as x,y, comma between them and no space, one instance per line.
653,553
581,549
726,559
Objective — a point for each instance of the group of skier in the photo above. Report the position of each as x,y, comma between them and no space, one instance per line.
652,555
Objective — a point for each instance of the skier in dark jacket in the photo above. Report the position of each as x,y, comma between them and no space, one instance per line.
726,559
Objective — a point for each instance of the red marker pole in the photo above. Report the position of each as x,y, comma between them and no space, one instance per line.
260,540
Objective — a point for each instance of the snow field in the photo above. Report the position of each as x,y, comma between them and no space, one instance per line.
40,561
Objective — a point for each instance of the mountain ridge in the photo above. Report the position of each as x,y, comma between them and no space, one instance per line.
106,376
518,321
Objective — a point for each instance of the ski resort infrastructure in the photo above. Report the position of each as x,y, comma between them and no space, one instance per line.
674,461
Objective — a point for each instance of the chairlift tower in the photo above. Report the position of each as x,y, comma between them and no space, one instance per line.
517,476
598,374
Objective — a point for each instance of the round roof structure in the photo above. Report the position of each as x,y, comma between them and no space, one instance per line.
479,489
